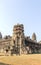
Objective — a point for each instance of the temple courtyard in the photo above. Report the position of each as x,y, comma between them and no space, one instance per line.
30,59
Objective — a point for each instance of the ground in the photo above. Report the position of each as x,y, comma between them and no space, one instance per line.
30,59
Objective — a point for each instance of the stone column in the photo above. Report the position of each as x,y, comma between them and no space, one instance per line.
20,46
16,42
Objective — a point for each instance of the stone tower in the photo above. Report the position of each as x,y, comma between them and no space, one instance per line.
18,38
34,37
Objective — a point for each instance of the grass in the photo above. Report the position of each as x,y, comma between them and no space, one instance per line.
30,59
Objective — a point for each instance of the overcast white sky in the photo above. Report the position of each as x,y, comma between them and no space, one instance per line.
27,12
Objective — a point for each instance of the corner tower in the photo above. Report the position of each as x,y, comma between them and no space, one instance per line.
34,37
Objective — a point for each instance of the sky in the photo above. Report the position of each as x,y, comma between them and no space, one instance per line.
26,12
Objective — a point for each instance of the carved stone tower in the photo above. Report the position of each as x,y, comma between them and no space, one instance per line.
18,38
34,37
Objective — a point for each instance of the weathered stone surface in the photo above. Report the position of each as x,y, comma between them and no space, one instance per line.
18,43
